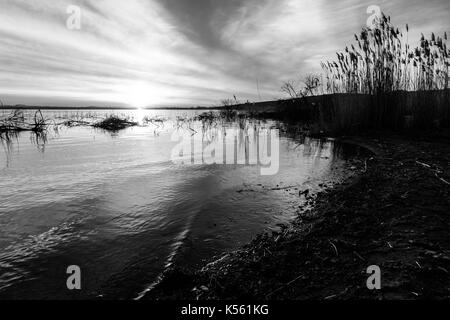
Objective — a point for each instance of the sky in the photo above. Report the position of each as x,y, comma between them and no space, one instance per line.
142,53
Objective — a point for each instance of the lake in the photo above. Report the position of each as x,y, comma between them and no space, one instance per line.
119,206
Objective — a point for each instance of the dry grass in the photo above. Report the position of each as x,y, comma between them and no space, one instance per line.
382,61
17,122
381,82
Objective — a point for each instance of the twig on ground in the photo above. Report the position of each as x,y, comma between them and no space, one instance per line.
359,256
442,179
435,172
284,286
423,164
334,247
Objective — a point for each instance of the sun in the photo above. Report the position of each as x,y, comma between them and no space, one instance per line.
139,96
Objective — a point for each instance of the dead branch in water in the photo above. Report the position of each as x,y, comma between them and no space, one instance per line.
16,122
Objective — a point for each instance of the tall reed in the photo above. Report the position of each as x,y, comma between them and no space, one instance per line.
382,61
381,82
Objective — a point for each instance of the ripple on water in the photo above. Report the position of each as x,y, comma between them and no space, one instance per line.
121,210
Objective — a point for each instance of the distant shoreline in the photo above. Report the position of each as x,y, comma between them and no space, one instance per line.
234,106
103,108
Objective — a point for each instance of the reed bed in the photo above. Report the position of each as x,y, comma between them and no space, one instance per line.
17,122
381,82
382,61
114,123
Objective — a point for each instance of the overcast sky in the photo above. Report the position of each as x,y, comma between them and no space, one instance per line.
180,52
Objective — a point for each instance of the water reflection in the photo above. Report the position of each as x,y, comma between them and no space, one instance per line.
200,132
39,139
122,210
6,141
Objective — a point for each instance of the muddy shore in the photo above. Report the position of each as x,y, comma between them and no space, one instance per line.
394,214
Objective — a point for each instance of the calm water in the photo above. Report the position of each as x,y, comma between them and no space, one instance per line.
118,206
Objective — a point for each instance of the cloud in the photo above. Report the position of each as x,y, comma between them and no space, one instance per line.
171,52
